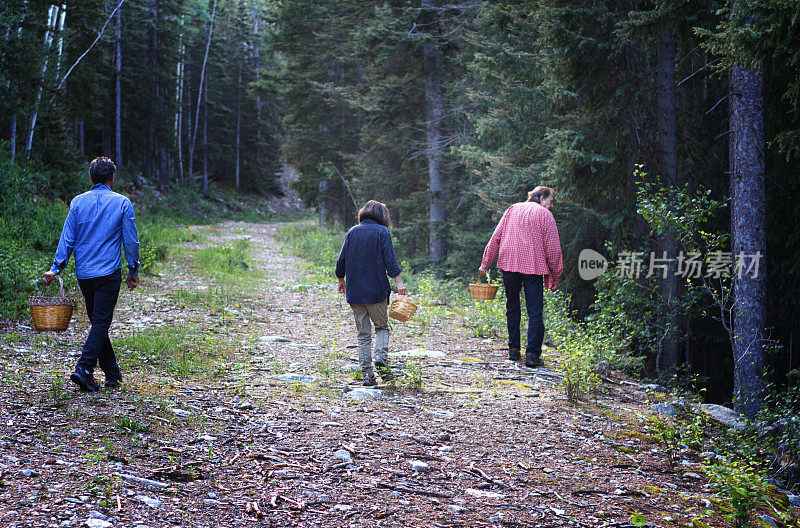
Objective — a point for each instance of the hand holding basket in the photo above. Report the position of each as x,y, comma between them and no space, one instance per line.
51,313
483,292
402,308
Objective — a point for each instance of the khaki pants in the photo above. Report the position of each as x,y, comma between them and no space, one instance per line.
366,315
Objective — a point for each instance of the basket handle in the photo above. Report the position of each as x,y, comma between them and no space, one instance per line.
60,286
484,275
409,296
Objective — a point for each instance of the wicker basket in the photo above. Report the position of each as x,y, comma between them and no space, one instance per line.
51,313
402,308
483,292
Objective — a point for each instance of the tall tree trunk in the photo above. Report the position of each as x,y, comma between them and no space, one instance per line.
393,188
189,125
81,138
52,20
118,91
179,102
163,165
200,97
433,133
153,147
323,202
748,204
257,69
205,137
667,146
13,137
60,30
238,126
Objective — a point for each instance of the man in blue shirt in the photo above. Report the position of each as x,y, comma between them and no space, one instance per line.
98,222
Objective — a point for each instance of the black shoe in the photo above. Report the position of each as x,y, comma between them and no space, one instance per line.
369,382
84,379
384,371
113,383
513,354
532,361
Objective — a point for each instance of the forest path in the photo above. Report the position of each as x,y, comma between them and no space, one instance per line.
254,418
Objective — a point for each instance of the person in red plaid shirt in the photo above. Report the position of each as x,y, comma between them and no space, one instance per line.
530,258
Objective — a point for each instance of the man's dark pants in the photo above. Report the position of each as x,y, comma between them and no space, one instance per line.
534,301
101,294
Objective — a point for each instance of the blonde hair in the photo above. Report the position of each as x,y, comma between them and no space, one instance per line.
541,192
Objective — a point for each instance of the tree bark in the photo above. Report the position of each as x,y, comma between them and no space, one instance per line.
205,137
81,138
200,98
60,45
118,92
52,18
13,137
179,103
748,204
393,188
238,126
257,69
189,125
667,146
323,199
437,245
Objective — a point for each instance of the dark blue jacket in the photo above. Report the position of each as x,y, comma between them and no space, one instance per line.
366,258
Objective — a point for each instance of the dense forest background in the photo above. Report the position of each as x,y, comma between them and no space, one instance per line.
664,127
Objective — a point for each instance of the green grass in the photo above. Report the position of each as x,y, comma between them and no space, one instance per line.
182,351
218,298
157,238
130,425
317,245
225,263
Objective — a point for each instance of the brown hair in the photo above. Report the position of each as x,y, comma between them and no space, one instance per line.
376,211
540,192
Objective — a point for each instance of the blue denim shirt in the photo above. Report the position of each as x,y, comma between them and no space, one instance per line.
98,221
366,258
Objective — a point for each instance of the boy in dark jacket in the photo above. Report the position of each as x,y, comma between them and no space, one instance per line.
367,257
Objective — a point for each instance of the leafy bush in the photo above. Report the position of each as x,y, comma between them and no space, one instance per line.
743,488
779,425
582,346
487,318
636,308
412,376
30,225
14,286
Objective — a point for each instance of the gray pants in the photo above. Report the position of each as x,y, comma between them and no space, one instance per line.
366,315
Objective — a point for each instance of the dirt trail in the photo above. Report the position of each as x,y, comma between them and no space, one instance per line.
275,436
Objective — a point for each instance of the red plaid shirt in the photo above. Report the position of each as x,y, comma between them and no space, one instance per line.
527,239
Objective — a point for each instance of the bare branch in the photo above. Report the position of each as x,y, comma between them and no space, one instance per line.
99,36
